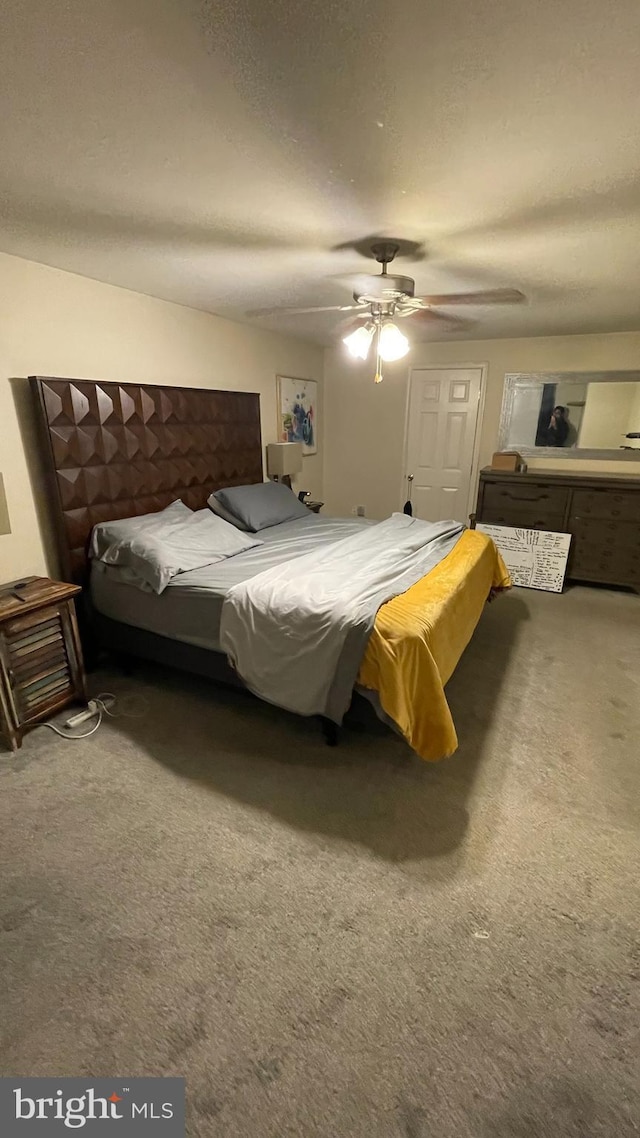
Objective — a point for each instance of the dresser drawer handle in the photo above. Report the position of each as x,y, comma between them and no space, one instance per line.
518,498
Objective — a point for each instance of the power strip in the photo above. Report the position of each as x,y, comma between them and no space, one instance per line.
82,716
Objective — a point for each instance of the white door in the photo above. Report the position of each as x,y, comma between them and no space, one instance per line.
441,435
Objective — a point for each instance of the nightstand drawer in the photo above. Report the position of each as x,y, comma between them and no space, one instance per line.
23,624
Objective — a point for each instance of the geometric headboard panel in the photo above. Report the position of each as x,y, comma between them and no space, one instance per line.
116,450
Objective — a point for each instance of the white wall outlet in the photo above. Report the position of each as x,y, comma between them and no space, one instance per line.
360,511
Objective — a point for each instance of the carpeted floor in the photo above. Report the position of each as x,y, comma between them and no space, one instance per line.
346,942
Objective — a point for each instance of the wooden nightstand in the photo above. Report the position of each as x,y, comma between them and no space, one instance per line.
315,507
41,668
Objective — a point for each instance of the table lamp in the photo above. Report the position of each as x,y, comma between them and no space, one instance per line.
283,460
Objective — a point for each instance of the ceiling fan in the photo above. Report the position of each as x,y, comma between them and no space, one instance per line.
381,299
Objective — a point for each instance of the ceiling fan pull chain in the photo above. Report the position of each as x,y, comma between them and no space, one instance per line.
378,376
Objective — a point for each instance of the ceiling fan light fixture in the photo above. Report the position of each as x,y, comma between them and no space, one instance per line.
392,344
359,342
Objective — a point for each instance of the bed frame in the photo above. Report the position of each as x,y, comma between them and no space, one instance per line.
117,450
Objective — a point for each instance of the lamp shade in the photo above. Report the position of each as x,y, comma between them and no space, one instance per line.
392,344
283,459
359,341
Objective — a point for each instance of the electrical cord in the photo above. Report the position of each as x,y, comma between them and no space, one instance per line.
100,700
97,706
69,734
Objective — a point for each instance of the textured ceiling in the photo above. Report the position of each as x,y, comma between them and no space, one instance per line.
217,154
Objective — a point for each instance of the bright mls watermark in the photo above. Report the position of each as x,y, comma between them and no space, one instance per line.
138,1108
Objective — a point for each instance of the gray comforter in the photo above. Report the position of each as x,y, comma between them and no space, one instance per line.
297,632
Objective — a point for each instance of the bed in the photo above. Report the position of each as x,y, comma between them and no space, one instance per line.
122,450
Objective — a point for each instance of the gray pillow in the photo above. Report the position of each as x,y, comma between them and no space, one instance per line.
220,510
152,559
161,524
262,505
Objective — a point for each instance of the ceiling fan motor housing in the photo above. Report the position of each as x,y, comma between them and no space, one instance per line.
384,288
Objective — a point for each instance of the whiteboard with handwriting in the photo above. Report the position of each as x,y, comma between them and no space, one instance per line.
535,558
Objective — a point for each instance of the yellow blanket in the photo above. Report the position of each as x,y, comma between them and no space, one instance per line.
419,636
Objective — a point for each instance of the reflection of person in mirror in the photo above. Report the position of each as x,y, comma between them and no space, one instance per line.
558,428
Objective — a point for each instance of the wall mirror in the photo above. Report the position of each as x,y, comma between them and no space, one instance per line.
572,414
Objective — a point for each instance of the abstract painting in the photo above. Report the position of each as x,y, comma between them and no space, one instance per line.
298,412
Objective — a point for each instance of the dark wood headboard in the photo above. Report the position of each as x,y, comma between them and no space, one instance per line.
116,450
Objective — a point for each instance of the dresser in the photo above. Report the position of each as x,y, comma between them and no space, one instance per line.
600,511
41,667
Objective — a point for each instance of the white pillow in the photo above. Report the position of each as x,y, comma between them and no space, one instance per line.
160,524
153,560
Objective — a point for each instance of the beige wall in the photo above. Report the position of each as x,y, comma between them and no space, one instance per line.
364,423
634,417
607,414
56,323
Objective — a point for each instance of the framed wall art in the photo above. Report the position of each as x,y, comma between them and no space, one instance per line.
297,401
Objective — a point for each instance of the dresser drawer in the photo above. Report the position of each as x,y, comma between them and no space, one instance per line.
535,519
623,505
605,570
605,551
605,533
525,498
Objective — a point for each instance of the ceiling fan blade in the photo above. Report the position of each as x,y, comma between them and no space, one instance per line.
345,327
303,311
434,316
489,296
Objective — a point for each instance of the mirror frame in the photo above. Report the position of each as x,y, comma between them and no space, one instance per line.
514,381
